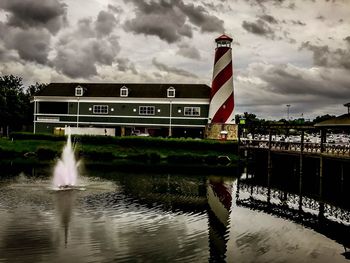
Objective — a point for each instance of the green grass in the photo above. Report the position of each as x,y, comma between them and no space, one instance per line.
133,148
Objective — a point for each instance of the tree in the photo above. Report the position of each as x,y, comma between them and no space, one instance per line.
15,107
323,118
11,101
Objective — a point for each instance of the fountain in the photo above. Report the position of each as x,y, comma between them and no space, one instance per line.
66,170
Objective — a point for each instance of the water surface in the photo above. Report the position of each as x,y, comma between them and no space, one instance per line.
126,217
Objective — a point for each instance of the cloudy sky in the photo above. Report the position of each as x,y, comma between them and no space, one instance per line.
284,52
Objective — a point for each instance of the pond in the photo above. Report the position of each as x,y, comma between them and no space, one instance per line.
133,217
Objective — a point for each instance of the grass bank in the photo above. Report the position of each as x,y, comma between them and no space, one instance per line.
160,151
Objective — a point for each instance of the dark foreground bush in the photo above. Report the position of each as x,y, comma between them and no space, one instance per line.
134,141
97,156
185,159
37,136
4,153
44,153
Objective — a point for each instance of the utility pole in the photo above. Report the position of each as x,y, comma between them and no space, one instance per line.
288,106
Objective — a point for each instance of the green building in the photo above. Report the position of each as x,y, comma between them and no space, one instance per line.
179,110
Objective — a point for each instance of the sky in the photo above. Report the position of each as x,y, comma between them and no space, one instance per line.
284,52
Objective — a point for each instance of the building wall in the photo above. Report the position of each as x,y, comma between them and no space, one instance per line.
123,114
215,131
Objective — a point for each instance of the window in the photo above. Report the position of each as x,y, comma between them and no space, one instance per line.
100,109
192,111
78,91
146,110
171,92
124,92
53,107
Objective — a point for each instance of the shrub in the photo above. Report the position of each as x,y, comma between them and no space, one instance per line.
37,136
95,155
134,141
185,159
4,153
44,153
154,157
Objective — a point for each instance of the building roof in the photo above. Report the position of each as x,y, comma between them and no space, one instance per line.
223,37
135,90
340,121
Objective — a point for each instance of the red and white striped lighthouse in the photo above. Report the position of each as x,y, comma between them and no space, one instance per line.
221,97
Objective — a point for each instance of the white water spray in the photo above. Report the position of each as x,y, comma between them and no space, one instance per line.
66,169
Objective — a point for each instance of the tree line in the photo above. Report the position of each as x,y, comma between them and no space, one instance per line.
16,110
255,125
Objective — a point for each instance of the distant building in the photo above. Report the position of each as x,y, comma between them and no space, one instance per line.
157,109
342,121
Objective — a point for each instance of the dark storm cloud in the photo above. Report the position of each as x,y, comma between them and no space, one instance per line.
298,23
79,51
32,45
268,18
259,27
188,51
263,3
115,9
174,70
79,58
347,39
325,57
49,14
201,18
124,65
218,7
168,20
105,23
307,89
159,19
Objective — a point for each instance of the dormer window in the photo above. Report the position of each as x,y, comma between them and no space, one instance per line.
79,91
124,92
171,92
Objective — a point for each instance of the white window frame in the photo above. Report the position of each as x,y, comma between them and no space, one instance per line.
124,92
192,111
147,110
171,92
79,91
98,109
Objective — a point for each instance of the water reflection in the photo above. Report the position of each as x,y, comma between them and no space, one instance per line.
310,199
219,195
64,203
120,217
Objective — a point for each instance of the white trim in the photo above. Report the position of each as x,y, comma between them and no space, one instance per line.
131,124
34,117
192,108
122,90
146,109
79,91
116,116
48,119
169,90
95,107
124,100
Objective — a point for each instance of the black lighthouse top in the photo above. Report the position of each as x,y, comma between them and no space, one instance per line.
223,41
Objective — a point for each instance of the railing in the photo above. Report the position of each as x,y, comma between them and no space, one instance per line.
308,147
291,200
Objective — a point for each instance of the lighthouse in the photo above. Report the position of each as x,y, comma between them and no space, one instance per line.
221,97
